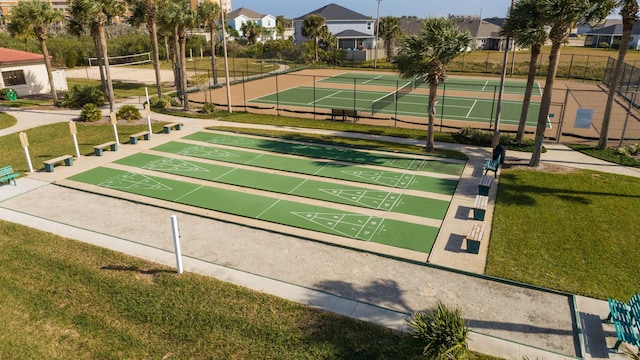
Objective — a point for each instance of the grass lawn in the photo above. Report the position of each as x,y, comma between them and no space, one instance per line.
121,90
6,120
575,232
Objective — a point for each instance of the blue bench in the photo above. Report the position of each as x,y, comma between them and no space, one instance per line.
625,319
49,164
492,165
167,127
7,174
133,138
98,149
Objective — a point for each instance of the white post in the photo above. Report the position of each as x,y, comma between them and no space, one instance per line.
25,145
176,242
147,108
74,131
114,121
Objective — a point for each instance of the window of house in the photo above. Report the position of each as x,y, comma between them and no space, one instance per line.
12,78
368,26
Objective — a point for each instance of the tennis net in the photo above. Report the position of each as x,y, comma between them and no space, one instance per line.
382,102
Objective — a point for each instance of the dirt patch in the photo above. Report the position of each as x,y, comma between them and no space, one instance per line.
523,164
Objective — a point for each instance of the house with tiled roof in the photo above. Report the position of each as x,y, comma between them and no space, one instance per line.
353,30
609,34
239,17
485,33
26,73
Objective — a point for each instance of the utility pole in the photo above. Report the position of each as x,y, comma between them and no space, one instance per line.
375,46
496,130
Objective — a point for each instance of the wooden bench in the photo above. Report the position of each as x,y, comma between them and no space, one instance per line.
97,150
485,185
168,127
480,207
7,174
48,164
344,113
492,165
133,138
625,319
474,237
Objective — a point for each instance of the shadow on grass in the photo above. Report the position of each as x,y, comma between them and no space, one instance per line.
137,269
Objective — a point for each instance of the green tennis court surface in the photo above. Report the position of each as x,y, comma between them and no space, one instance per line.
368,79
303,187
408,104
321,219
327,169
329,152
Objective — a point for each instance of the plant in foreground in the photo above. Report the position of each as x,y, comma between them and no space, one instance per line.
441,333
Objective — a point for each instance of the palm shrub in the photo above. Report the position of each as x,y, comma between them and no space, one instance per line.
441,333
128,112
90,112
209,108
79,95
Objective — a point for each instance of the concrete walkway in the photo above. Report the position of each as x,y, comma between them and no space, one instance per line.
507,320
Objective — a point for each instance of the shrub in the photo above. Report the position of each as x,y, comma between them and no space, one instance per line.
4,93
90,112
160,102
209,108
441,333
79,95
474,137
128,112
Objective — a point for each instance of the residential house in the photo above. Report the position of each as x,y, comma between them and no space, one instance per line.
26,73
353,30
484,32
609,34
225,5
238,17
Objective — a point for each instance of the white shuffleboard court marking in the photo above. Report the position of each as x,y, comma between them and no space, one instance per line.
134,181
170,164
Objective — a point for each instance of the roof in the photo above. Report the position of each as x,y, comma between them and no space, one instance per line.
614,30
8,56
485,28
336,12
352,34
246,12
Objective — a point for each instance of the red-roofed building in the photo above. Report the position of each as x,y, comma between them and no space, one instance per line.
26,73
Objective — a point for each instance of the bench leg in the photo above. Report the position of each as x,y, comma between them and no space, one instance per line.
68,161
178,126
478,214
133,140
147,136
473,246
167,130
114,147
48,167
483,190
97,151
617,345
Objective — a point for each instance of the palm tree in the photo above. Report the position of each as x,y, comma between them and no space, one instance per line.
441,333
562,14
524,24
426,55
251,30
32,18
312,28
209,12
145,11
629,13
99,13
389,30
281,26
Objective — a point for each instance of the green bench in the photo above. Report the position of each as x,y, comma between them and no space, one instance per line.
49,164
625,319
492,165
485,185
98,149
168,127
133,138
7,174
480,207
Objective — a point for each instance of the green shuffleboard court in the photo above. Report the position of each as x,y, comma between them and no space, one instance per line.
352,225
329,152
303,187
414,104
329,169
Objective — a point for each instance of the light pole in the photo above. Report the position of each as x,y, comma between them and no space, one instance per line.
496,130
375,45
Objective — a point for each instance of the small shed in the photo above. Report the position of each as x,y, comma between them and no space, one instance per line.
26,73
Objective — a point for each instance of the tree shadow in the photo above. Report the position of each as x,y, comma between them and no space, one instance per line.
383,292
137,269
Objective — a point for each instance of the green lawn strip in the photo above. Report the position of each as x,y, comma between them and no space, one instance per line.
314,189
576,232
330,152
319,168
352,225
121,89
49,141
7,120
65,299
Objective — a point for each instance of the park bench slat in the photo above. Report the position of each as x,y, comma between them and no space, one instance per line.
474,237
49,164
7,174
480,207
133,138
168,127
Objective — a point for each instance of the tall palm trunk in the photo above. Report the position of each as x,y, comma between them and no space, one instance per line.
177,66
107,73
528,91
153,30
629,18
557,35
47,64
433,102
183,68
96,44
213,55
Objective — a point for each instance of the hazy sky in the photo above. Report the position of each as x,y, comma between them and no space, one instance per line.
420,8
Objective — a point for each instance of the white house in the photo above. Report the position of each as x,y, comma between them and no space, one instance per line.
26,73
353,30
237,18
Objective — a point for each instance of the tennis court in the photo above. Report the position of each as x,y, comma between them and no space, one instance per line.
414,104
319,194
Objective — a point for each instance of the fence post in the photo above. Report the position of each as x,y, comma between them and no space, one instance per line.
626,119
570,66
586,68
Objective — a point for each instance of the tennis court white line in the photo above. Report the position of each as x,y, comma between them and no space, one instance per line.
326,97
471,109
375,78
485,85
